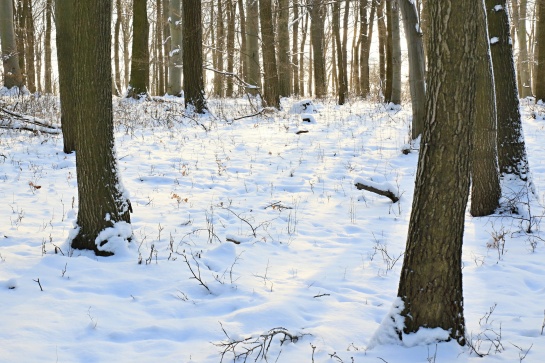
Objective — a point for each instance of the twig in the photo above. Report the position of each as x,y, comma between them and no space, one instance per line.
39,284
386,193
196,276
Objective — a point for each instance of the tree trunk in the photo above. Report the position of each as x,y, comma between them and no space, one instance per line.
192,55
317,14
218,51
271,95
294,49
540,51
29,46
284,66
174,87
304,29
389,51
431,277
416,65
117,34
65,28
511,149
166,42
382,38
520,12
342,86
252,44
159,48
485,186
47,46
139,81
396,54
12,72
102,202
127,34
366,34
231,9
242,53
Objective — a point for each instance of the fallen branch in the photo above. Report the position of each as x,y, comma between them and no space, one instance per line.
28,123
244,348
380,189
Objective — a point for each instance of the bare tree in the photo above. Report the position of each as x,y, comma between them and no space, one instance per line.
271,96
12,72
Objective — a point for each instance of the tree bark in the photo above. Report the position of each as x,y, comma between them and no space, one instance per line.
139,79
283,36
485,186
511,148
47,45
192,55
342,81
317,14
431,277
417,66
396,54
271,95
252,44
520,14
12,72
174,87
29,46
65,28
382,39
540,51
294,49
366,34
231,9
218,51
117,34
101,200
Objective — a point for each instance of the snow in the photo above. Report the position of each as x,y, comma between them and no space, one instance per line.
494,40
310,256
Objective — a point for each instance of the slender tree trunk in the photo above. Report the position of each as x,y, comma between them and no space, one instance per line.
47,47
389,51
29,46
396,54
540,51
174,87
252,44
294,49
485,186
271,95
166,42
366,36
159,48
283,36
431,277
219,49
317,13
416,65
12,73
511,148
101,201
117,34
127,34
382,39
139,81
20,32
231,9
304,26
65,28
192,55
243,47
524,62
342,86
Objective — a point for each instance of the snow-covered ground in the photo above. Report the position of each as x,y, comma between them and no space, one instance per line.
248,231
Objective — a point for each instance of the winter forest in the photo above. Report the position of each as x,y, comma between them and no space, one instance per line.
272,181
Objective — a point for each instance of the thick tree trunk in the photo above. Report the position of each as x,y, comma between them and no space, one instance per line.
102,203
540,51
252,44
283,36
47,47
511,148
10,59
174,86
431,278
65,28
416,65
389,51
139,80
192,55
271,95
317,14
485,186
366,34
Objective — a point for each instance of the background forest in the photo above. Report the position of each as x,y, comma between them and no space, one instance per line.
290,181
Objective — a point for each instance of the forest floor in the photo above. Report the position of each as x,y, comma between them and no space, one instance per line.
250,240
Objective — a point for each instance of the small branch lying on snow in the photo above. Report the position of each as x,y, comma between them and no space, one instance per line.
23,122
243,348
379,189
